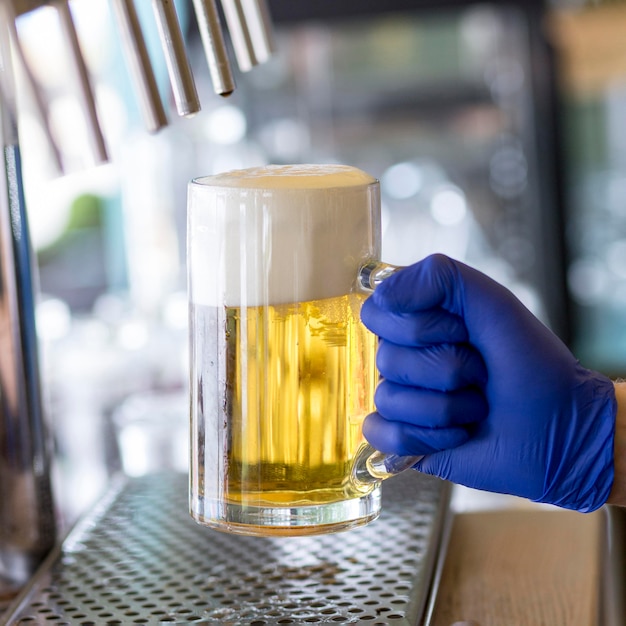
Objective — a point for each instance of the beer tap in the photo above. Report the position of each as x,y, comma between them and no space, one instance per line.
178,68
214,46
27,511
248,24
250,31
83,84
139,65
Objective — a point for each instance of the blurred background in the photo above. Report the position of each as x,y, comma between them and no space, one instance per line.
495,129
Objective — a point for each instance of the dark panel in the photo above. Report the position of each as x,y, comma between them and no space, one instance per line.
299,10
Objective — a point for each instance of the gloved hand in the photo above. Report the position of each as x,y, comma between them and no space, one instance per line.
490,395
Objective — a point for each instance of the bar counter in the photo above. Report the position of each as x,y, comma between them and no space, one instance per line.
523,567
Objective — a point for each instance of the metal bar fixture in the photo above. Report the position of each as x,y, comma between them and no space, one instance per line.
248,24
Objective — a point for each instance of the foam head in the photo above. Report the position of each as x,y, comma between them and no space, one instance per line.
279,234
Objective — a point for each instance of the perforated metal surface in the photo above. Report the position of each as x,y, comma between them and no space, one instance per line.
140,559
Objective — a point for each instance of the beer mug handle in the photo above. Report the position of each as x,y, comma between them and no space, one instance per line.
373,273
371,465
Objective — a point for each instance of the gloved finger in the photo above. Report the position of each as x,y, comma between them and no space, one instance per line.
413,329
430,283
449,467
430,408
406,439
444,366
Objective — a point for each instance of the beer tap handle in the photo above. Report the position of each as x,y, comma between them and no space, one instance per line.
214,46
41,104
259,23
179,70
85,92
239,34
139,65
250,31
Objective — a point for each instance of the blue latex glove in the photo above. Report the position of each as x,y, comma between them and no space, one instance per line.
490,395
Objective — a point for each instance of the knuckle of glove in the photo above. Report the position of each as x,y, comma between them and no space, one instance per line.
429,408
445,367
415,328
406,439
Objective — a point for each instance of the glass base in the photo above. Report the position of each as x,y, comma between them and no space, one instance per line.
291,521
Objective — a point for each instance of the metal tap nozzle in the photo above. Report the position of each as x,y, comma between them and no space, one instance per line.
139,64
179,70
83,83
214,46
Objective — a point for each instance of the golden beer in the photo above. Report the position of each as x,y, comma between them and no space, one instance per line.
298,381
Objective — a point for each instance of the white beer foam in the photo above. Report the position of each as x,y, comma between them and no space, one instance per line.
280,233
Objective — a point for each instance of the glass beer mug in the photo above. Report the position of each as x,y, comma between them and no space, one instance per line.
280,260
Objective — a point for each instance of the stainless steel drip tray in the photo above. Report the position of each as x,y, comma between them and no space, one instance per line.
138,558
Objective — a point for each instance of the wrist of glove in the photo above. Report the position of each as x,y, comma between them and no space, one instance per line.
491,397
